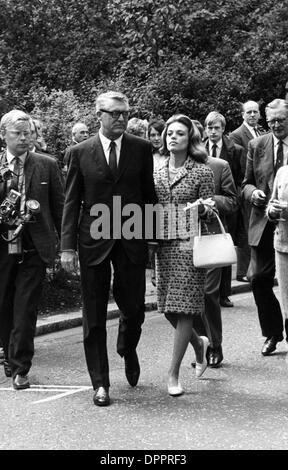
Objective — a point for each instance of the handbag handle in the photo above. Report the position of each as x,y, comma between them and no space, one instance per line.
219,221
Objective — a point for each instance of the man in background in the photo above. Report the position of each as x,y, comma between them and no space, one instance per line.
265,155
249,129
219,146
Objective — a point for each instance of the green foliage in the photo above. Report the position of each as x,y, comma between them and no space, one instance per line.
59,110
177,56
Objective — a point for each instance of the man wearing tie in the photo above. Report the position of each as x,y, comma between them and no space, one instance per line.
219,146
23,265
109,167
265,155
249,129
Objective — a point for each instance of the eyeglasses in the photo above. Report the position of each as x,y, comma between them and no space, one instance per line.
116,114
273,121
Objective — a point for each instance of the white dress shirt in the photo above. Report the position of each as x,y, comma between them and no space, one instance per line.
106,146
219,145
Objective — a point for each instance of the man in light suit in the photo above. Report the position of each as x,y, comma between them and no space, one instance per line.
111,165
23,269
219,146
265,155
249,129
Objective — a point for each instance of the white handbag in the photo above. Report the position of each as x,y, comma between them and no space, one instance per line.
214,251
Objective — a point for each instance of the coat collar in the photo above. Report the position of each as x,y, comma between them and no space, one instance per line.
99,156
188,165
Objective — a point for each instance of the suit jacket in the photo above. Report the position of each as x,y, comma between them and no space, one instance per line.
242,136
233,154
280,191
90,185
225,192
259,175
43,183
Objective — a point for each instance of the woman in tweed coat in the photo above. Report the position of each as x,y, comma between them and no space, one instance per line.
180,286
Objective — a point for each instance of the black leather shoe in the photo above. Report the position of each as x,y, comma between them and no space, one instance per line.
226,302
215,357
242,279
20,382
7,368
269,346
132,368
101,397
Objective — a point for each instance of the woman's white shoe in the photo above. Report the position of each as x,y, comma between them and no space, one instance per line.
202,366
175,390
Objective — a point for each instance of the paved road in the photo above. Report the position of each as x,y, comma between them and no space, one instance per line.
242,405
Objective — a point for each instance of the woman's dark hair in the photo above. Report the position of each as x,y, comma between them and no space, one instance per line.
196,148
157,124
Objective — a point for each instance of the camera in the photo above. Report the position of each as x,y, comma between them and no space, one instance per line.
5,174
9,212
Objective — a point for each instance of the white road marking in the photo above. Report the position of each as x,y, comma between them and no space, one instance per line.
65,390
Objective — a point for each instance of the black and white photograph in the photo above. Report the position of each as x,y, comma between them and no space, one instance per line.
143,228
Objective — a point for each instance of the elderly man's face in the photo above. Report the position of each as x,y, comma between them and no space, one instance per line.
113,117
81,133
18,137
277,120
251,113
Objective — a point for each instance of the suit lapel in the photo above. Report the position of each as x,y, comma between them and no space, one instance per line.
125,154
247,133
268,163
99,156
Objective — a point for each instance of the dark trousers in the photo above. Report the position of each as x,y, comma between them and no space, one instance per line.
225,282
21,283
129,294
210,322
261,274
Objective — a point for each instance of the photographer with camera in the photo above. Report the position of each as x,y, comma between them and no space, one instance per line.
31,203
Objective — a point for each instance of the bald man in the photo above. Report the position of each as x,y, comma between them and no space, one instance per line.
248,130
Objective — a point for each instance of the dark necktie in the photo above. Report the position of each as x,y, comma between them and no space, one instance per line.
214,152
113,158
16,170
257,132
279,156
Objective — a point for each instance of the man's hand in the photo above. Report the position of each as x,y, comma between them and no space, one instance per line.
275,208
258,198
69,261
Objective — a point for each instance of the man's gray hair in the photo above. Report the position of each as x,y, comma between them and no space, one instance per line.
277,103
12,117
77,125
110,95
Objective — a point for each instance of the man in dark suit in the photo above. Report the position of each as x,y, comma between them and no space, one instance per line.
23,264
219,146
108,173
226,200
80,132
249,129
265,155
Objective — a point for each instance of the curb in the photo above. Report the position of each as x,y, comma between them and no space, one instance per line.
64,321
